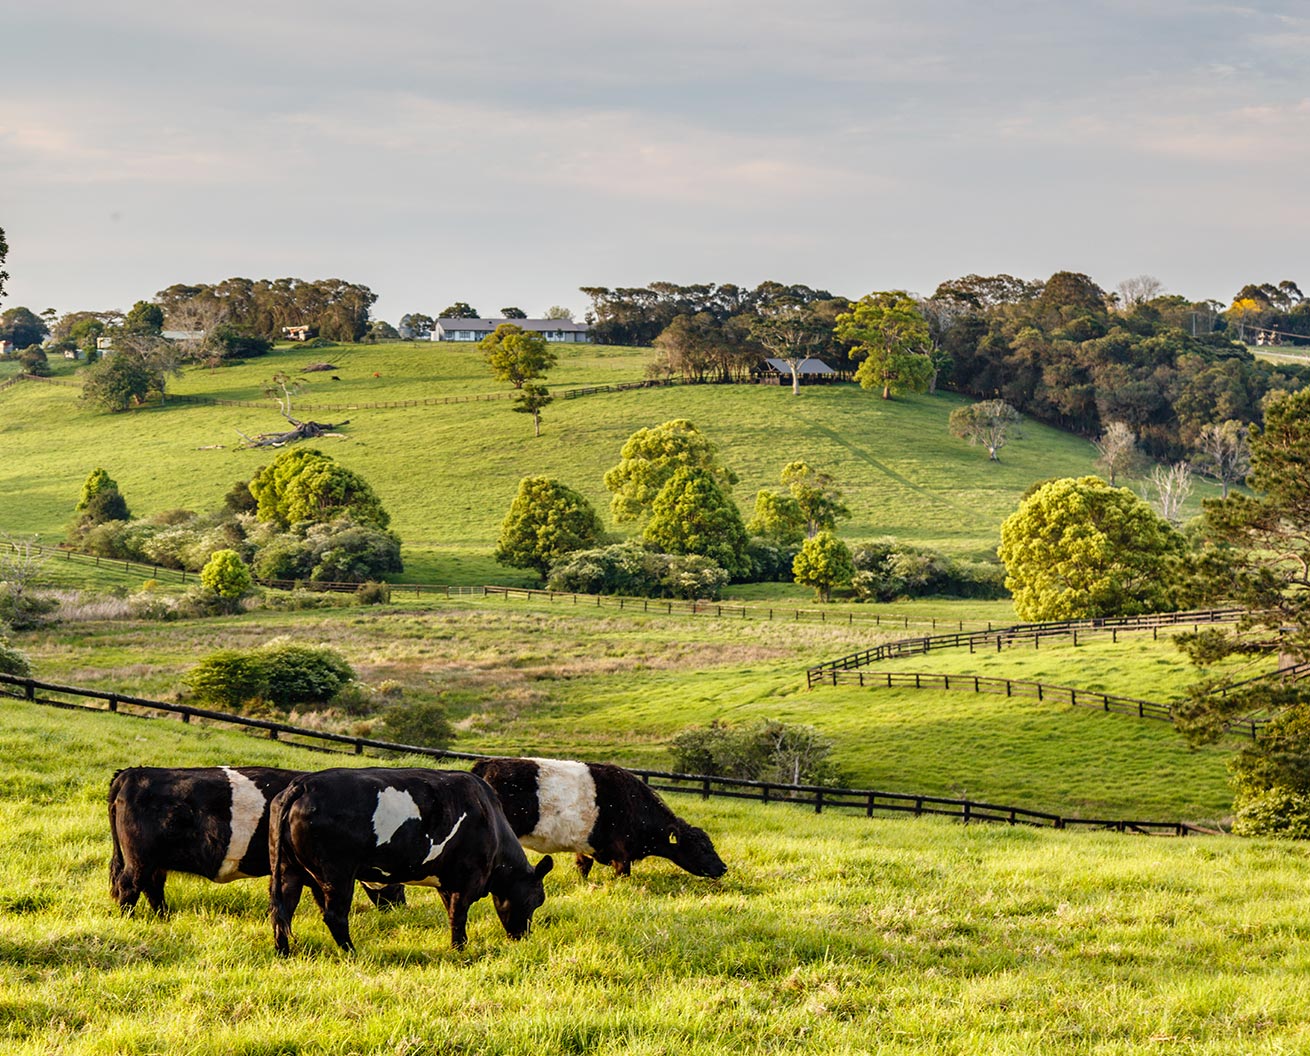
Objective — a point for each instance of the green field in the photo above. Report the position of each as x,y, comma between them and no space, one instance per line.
447,473
829,934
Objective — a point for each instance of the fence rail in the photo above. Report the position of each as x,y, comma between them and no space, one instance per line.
867,801
1018,634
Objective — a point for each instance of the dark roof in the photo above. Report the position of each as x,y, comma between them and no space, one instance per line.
806,366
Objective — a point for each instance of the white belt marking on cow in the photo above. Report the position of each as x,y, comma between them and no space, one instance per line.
437,848
248,808
395,807
566,808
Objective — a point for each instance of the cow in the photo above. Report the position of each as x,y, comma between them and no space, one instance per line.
442,829
597,811
211,821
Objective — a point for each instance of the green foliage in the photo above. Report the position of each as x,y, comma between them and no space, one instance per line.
765,751
35,362
227,343
516,355
22,326
633,570
13,661
304,484
101,500
887,569
546,521
226,576
229,679
650,457
532,399
459,310
144,318
891,336
693,515
1079,548
989,423
778,519
373,593
423,723
817,496
121,381
824,563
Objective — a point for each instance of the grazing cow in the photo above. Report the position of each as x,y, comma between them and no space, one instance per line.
211,821
597,811
442,829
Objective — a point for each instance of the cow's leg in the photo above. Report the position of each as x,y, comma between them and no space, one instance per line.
386,897
284,888
127,892
622,867
457,906
154,891
337,895
585,863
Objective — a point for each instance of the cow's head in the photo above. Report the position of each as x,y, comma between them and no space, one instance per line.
518,897
691,849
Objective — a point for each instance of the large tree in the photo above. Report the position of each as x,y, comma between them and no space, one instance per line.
692,514
4,252
890,335
1223,451
790,333
303,484
23,327
651,456
1079,549
516,355
459,310
988,422
823,563
546,521
136,369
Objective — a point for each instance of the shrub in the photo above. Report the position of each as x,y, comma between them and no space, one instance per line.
345,552
22,610
226,576
300,599
767,751
299,675
421,723
229,678
1274,812
373,593
690,576
637,571
823,563
13,661
769,562
886,570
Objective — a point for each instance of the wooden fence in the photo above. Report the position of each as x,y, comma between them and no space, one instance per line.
1020,634
867,801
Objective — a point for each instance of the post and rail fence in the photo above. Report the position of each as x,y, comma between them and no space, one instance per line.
819,797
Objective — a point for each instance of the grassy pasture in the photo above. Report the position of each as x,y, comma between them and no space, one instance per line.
618,686
830,934
447,473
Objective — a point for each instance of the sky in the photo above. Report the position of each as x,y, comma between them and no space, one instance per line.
507,153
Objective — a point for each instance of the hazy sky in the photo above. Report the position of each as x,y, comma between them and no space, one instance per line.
507,152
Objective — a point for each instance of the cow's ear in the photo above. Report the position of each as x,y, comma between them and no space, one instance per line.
544,866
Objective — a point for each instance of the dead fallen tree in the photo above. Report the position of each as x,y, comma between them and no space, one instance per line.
282,388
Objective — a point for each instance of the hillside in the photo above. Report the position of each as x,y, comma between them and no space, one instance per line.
447,473
829,934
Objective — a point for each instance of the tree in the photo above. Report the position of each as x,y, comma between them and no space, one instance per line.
817,496
1265,543
531,399
824,563
546,521
226,576
1172,486
4,252
23,327
101,499
988,423
303,484
650,457
1138,291
790,333
692,514
777,518
144,318
420,324
556,311
380,330
890,334
1080,549
459,310
517,355
1224,452
1117,451
119,382
513,313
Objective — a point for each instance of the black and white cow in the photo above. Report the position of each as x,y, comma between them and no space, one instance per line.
211,821
442,829
597,811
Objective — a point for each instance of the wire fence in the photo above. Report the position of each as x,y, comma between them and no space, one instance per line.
870,802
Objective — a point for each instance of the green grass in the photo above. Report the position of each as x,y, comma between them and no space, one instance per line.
607,685
829,934
448,473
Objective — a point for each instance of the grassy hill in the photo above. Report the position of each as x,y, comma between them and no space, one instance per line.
447,473
829,934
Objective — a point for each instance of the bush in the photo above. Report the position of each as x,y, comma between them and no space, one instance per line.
13,661
1274,812
887,570
300,599
226,576
769,562
767,751
421,723
299,675
229,679
22,610
637,571
373,593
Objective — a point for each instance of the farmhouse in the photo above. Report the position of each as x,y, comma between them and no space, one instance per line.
810,371
476,329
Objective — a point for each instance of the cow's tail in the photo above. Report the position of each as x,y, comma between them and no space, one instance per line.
116,864
284,882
